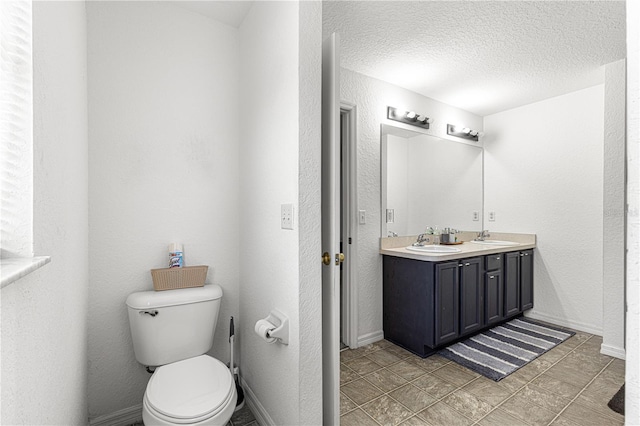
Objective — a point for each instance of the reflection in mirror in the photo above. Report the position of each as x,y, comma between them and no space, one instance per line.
428,181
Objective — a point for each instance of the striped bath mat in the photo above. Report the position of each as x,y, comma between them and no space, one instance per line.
500,351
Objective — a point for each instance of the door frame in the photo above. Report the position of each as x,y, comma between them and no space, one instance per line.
349,217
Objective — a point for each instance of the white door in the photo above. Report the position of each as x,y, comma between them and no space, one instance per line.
331,231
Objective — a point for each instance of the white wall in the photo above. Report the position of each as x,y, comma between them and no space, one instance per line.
632,373
544,175
269,151
614,210
372,98
44,330
163,157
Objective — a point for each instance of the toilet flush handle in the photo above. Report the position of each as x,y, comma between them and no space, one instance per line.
152,313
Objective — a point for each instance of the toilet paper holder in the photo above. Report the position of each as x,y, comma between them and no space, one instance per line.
281,323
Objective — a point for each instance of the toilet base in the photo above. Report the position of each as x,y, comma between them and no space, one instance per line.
220,419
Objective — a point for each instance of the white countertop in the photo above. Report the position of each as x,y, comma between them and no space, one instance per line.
397,247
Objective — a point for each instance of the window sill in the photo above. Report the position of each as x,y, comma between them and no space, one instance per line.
14,268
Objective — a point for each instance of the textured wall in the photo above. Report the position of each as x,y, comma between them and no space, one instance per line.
632,408
372,98
163,156
309,183
44,330
269,150
550,182
614,206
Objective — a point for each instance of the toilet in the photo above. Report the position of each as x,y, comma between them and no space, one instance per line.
172,331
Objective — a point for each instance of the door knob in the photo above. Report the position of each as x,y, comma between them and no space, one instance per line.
339,258
326,258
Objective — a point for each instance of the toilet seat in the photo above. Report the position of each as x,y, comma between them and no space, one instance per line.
190,391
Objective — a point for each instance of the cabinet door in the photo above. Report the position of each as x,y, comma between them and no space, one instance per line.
511,284
447,302
471,295
493,297
526,280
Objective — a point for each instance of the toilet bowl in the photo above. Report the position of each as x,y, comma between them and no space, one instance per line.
172,330
195,391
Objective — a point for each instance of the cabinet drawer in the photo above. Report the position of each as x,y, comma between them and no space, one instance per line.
493,262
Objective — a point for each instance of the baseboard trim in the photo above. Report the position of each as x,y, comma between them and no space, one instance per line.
122,417
262,416
369,338
613,351
587,328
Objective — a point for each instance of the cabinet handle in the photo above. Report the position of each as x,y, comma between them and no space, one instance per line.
526,254
497,258
491,277
460,264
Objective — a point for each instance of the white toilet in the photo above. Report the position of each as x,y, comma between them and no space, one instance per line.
172,330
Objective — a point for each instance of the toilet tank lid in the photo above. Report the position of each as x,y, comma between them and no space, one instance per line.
183,296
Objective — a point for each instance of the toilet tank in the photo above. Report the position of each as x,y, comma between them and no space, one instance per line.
172,325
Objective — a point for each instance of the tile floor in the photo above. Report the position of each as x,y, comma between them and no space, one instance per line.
383,384
242,417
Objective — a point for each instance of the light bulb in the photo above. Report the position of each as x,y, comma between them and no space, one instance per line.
474,133
466,130
411,115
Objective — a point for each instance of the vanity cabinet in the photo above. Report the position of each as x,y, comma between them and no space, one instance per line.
494,289
427,305
518,285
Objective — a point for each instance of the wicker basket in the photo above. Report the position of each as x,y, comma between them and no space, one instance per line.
174,278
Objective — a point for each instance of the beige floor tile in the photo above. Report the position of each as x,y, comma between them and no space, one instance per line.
430,363
361,391
383,357
455,374
357,418
597,395
363,365
349,354
488,391
613,374
585,416
414,421
501,418
347,375
545,399
387,411
563,421
407,370
442,414
385,380
399,352
346,404
434,385
524,410
570,373
513,382
468,404
413,398
550,383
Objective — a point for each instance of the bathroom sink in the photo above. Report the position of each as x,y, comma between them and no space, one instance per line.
496,243
434,249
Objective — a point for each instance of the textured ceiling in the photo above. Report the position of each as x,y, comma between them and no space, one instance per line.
481,56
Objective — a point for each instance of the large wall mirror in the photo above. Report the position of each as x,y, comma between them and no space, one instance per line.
428,181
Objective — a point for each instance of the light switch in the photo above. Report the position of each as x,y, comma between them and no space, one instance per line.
390,216
363,216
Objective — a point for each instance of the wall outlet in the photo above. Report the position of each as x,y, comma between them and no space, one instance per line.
286,216
492,216
391,216
476,216
362,215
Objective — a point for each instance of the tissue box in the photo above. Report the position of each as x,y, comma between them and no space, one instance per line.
174,278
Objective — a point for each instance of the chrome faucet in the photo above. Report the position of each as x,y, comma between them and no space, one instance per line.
422,239
482,235
392,234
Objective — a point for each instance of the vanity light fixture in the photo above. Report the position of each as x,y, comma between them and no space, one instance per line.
464,132
408,117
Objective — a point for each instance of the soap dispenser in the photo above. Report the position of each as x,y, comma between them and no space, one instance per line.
436,235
